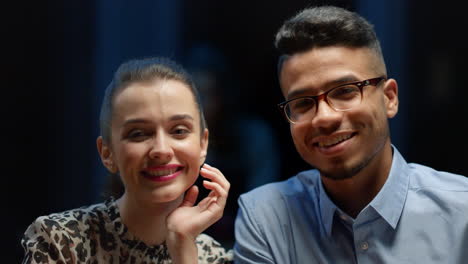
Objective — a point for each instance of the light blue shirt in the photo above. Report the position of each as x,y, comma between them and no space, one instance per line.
419,216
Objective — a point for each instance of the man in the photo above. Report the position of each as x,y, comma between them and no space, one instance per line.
363,203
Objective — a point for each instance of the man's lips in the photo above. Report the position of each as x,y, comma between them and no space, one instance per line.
332,140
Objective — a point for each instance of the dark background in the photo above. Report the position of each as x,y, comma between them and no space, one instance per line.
60,56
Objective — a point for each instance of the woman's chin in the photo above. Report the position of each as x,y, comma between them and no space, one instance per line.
165,196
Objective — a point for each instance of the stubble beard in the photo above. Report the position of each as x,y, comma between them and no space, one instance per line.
344,173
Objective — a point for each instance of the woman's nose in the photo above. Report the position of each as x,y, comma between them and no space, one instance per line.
161,148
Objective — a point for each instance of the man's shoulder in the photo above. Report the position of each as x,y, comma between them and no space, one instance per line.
304,183
438,190
424,177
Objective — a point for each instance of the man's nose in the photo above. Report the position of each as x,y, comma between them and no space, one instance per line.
325,116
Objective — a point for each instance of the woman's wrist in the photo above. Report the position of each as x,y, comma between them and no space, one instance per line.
182,248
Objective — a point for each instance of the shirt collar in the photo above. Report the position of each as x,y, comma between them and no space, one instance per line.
327,208
390,200
388,203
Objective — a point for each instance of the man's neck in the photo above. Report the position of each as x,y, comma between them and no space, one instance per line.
354,194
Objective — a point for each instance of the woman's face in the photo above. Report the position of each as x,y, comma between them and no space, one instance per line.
156,142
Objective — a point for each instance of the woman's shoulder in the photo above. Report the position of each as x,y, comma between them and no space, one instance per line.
73,224
211,251
66,234
72,220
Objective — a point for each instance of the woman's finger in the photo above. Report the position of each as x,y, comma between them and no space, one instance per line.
215,187
190,196
215,175
221,193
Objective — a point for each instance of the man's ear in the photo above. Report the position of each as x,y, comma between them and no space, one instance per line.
204,146
106,155
390,90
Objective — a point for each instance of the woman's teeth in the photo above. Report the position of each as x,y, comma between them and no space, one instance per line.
159,173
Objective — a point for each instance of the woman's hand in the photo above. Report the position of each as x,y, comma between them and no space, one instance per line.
186,222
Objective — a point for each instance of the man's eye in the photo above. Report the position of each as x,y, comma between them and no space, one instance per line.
349,91
302,105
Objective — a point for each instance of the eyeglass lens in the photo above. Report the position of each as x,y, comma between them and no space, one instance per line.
341,98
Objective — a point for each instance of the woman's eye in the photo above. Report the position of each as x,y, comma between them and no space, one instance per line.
180,131
137,135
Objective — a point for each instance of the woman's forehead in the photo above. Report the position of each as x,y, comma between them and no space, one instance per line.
162,98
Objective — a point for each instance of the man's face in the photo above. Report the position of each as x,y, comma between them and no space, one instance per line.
340,144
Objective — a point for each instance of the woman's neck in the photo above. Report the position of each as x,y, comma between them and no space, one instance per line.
146,221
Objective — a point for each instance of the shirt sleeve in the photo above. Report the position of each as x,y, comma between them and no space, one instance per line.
45,242
210,251
251,245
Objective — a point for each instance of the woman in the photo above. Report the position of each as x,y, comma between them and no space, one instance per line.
153,135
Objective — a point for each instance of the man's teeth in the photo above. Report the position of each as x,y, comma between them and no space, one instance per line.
333,141
159,173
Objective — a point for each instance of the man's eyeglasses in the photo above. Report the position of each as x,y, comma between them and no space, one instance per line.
341,98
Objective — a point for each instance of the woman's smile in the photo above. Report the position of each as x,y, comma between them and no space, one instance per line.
162,173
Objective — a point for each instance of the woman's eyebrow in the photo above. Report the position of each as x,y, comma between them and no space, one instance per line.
172,118
181,117
135,121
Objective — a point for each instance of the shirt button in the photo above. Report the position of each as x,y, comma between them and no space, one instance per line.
364,246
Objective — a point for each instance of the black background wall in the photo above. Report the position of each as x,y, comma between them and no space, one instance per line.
60,55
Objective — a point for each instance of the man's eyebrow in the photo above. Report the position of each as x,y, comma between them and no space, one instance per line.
331,84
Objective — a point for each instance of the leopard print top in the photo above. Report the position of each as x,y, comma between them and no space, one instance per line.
95,234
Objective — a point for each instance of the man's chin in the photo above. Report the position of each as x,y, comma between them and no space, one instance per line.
336,176
341,174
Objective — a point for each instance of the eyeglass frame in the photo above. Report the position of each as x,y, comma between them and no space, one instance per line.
324,96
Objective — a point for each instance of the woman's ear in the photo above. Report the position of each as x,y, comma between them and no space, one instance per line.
204,146
390,90
106,155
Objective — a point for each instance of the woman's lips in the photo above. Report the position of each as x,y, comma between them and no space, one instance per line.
162,173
